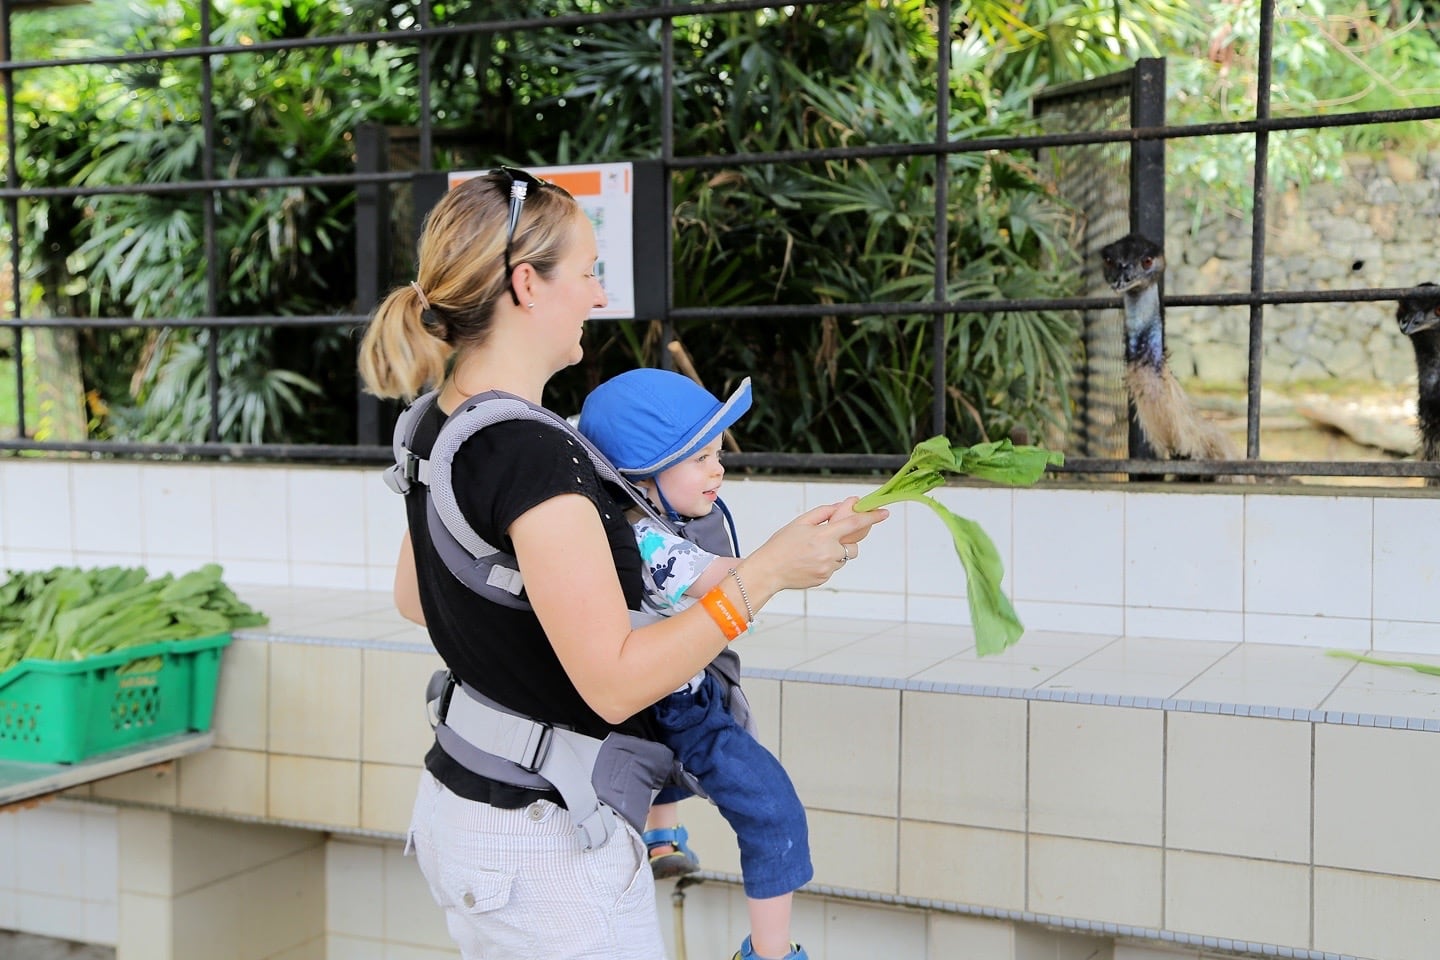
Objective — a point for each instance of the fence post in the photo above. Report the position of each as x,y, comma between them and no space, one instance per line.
372,259
1147,190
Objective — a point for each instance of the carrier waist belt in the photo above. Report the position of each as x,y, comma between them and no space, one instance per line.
597,778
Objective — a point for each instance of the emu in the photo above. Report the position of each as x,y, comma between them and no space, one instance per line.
1419,319
1133,266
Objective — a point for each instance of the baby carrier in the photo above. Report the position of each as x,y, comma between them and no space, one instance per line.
597,778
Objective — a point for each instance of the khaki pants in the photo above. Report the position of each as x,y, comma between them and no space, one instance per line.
515,884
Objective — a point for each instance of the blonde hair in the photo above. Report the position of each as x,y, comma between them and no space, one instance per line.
461,275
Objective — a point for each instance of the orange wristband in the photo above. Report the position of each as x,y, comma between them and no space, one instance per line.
726,617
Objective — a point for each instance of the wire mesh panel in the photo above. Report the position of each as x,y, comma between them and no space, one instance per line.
1093,178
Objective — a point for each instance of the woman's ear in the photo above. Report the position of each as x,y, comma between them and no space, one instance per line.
522,282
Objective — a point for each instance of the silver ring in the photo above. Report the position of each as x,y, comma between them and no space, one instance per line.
845,548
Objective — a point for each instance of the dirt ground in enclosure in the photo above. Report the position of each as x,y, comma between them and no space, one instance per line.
1335,423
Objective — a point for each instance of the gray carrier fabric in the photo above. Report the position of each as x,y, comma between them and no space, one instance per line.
597,778
486,569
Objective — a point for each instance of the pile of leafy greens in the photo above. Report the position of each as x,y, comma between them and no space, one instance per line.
993,618
69,613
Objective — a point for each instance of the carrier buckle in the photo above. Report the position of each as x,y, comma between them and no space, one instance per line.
537,747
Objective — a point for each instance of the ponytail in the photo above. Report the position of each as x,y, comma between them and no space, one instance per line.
401,356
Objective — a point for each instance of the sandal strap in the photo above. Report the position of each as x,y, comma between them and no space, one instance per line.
663,835
674,836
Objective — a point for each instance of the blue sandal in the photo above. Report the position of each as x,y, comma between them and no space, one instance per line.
676,861
745,952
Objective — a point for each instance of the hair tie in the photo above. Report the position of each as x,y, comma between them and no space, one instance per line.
424,300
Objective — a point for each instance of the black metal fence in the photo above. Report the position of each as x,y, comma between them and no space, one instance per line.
1131,140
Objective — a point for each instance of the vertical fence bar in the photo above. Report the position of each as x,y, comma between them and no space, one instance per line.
1257,230
211,199
667,193
1147,192
12,214
372,258
939,373
427,126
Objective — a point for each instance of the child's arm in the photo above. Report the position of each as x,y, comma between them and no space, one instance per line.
712,576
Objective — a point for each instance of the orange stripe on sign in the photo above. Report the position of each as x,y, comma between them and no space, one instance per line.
580,183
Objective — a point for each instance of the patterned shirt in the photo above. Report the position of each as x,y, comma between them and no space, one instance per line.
671,564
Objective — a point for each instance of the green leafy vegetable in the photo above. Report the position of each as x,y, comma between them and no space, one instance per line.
995,622
1430,668
69,613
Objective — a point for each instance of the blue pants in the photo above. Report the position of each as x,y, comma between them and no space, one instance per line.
746,782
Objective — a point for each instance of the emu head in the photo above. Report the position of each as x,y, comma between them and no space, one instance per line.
1418,314
1131,262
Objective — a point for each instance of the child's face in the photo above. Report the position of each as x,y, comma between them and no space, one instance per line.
692,485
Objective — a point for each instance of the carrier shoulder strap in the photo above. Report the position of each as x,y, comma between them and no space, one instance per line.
484,568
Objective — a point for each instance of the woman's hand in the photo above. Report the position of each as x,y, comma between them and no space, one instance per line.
808,550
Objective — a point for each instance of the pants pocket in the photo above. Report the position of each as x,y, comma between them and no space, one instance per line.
481,918
475,891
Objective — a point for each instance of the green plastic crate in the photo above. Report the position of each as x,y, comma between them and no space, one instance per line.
63,712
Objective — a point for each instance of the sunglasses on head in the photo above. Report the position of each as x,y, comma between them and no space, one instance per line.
520,183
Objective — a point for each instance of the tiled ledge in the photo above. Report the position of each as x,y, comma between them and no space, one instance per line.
1269,681
1213,786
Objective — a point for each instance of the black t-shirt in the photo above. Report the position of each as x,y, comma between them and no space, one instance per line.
498,474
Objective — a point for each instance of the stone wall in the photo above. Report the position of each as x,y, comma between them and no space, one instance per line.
1375,227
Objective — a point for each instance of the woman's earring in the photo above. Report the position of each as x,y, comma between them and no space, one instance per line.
530,305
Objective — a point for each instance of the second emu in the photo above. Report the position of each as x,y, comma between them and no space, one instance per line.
1419,319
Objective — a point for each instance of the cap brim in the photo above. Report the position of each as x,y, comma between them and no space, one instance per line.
734,407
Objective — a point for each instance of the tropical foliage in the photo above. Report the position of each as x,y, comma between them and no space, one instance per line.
832,231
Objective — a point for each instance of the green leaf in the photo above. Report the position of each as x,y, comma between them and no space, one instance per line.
1430,668
993,618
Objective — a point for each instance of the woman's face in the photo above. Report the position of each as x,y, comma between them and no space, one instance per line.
564,301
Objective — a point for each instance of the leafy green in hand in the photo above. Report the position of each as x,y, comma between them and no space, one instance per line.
994,619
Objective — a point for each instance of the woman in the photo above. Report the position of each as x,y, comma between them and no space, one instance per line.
505,284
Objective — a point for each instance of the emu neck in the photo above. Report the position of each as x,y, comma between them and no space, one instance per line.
1144,334
1427,367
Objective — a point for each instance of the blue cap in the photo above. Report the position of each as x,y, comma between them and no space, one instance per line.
648,420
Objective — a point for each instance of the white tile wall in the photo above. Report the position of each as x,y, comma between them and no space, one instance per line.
1308,556
1355,571
59,869
35,498
1069,547
177,511
252,514
106,507
1203,574
1407,561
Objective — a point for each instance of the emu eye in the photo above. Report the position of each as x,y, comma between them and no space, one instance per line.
1436,310
1147,262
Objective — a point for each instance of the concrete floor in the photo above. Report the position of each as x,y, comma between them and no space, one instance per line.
24,946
